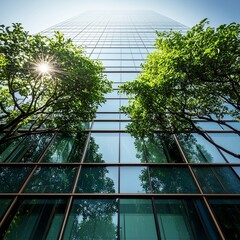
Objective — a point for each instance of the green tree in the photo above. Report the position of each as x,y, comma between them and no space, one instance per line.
46,83
189,76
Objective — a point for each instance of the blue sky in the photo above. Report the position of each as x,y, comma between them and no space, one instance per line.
37,15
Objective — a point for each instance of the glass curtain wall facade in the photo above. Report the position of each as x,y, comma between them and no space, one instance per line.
104,184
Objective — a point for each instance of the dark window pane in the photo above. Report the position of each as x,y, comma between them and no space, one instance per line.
4,203
103,148
217,179
172,180
11,178
199,150
227,212
77,148
137,220
92,219
8,147
180,219
66,148
30,148
98,180
134,180
51,179
37,219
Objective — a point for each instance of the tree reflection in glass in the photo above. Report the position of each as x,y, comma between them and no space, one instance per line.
66,147
12,177
168,180
159,148
103,147
97,179
92,219
56,179
182,219
199,150
36,219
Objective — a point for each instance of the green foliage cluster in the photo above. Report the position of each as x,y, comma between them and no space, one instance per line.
67,95
189,76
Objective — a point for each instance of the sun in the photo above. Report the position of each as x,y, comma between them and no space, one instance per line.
46,66
43,68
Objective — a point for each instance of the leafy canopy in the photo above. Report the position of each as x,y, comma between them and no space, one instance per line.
196,75
46,82
189,76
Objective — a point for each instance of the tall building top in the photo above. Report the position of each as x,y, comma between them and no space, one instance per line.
117,21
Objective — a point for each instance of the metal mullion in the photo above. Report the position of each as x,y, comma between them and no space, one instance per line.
36,166
69,204
223,156
155,218
201,191
63,226
126,195
7,213
11,153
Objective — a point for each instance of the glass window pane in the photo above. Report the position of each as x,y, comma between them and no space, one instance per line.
98,180
230,141
134,180
11,178
159,149
237,170
199,150
217,179
103,148
172,180
137,220
8,147
57,179
32,148
106,126
180,219
4,203
108,116
37,219
111,105
77,148
65,148
92,219
227,212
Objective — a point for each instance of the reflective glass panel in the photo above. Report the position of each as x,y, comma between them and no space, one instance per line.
180,219
57,179
217,179
198,150
11,178
137,220
111,105
98,180
159,149
230,141
105,125
37,219
172,180
103,148
227,212
7,148
92,219
65,148
134,180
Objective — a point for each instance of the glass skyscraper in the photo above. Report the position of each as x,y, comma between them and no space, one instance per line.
102,183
